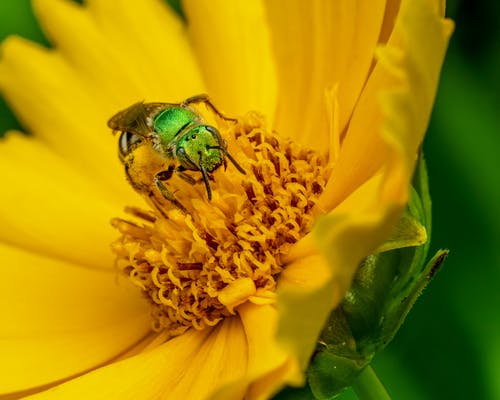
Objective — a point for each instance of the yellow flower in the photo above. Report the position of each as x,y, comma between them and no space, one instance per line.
354,82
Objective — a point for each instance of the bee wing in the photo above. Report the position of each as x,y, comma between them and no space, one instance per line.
138,118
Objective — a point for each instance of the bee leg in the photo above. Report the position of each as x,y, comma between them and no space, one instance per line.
203,98
189,179
164,176
157,204
180,171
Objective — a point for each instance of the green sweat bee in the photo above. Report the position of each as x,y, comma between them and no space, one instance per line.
173,132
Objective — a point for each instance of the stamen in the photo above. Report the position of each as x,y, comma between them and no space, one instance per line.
196,268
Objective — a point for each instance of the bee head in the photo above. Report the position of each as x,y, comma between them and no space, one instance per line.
201,147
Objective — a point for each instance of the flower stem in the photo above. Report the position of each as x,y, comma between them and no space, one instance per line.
368,387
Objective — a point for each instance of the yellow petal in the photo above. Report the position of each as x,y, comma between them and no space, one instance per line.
307,292
89,41
47,207
55,105
393,111
269,366
391,13
153,41
231,40
59,319
345,238
189,366
320,45
77,38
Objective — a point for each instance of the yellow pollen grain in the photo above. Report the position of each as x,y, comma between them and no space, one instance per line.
197,268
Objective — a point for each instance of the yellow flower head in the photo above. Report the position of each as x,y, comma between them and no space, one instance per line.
197,260
332,100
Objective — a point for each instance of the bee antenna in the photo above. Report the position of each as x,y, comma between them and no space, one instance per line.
205,179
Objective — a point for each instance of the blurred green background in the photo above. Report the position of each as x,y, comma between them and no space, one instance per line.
449,347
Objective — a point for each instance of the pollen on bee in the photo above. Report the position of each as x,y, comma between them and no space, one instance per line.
196,268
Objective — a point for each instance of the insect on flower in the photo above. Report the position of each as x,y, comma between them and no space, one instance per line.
173,132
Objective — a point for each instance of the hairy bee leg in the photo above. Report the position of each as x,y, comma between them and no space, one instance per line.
164,176
169,196
203,98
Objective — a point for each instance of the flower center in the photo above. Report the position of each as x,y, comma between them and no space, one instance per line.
196,267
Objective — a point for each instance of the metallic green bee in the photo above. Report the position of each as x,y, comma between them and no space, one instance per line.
175,132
